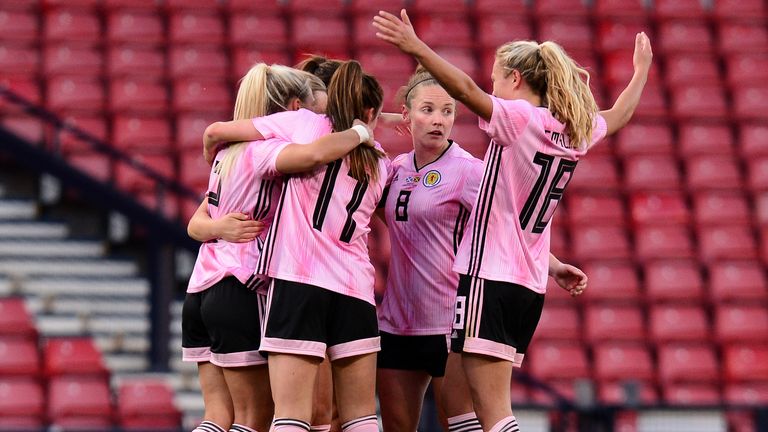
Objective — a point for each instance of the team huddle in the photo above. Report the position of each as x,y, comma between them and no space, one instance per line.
280,313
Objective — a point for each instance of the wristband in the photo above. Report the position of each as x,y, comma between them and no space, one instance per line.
362,131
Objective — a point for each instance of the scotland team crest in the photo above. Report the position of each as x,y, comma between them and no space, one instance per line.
432,178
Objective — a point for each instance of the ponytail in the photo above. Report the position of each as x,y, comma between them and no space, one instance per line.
568,95
561,84
350,94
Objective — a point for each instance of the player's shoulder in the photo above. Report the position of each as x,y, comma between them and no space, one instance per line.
400,160
463,158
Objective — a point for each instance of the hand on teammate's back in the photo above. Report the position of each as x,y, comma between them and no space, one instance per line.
397,31
239,228
370,141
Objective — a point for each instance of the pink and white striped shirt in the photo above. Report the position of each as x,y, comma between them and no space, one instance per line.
320,233
252,186
527,167
426,211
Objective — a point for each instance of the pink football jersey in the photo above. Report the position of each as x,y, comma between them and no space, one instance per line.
252,186
528,165
320,233
426,211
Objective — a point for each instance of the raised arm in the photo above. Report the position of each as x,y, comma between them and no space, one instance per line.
618,116
220,133
295,158
399,32
233,227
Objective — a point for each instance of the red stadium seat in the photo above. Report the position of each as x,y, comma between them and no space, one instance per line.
680,362
135,26
70,25
244,58
75,93
131,179
138,95
619,8
721,208
19,356
18,25
749,9
746,68
761,209
609,322
559,8
391,85
595,173
494,29
66,60
645,138
200,94
248,6
653,104
486,7
570,33
699,101
658,208
705,138
749,393
750,103
618,36
684,36
267,30
612,281
746,362
95,125
22,404
713,173
691,394
691,69
678,323
726,242
559,322
191,26
190,61
594,208
736,323
557,360
193,171
394,143
321,32
147,405
381,62
141,132
622,361
73,356
676,280
616,393
79,401
96,165
688,9
364,33
737,280
25,87
148,5
557,390
651,173
758,173
743,37
296,7
190,128
596,242
439,30
135,60
471,139
15,319
28,128
18,59
165,204
663,241
752,139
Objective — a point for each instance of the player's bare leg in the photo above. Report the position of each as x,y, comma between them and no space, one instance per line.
401,395
489,379
354,383
251,396
456,397
322,408
218,403
289,375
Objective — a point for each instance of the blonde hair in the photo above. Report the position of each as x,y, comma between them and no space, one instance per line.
265,89
560,82
351,93
420,77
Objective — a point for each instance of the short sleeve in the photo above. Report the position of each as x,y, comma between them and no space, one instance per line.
599,130
472,178
508,120
285,125
263,155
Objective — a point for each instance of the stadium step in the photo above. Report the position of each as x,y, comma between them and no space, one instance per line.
17,209
51,304
126,362
32,230
67,267
102,288
50,249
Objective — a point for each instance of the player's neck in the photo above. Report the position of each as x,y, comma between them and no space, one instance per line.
424,156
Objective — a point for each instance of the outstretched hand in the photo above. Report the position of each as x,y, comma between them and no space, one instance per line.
571,279
643,53
397,31
395,121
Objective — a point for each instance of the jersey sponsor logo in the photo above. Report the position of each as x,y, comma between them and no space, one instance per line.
432,178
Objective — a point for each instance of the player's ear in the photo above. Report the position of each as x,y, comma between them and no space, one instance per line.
370,115
294,104
406,111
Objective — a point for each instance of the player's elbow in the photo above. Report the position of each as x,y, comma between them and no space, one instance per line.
212,134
